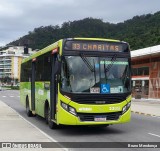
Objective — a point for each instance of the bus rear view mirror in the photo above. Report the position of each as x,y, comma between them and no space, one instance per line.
57,67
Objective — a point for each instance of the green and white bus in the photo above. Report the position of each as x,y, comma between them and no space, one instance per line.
70,82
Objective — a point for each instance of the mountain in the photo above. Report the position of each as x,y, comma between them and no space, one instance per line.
140,31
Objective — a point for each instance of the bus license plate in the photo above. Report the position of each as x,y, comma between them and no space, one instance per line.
100,119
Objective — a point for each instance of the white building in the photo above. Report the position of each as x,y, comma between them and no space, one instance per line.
10,61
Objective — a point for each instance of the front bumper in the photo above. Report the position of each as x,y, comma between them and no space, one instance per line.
66,118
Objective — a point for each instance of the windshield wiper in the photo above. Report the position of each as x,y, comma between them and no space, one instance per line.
85,60
110,65
89,65
106,69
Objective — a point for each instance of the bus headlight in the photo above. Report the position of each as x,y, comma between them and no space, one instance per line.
64,106
68,108
126,107
72,110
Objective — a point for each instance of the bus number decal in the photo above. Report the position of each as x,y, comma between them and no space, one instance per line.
112,108
85,109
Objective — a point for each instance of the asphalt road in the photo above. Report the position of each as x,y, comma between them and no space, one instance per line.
141,128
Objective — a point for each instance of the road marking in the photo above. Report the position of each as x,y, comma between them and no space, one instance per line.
10,96
154,134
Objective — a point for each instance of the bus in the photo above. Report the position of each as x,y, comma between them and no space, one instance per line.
69,82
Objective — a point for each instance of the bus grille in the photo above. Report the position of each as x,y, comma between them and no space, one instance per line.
92,116
98,99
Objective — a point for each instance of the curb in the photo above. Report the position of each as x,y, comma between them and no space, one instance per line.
146,114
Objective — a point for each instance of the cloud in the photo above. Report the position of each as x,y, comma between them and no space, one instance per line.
18,17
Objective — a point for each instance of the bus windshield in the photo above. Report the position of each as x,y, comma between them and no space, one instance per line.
81,74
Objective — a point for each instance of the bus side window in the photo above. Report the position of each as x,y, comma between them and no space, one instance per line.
26,72
39,68
46,74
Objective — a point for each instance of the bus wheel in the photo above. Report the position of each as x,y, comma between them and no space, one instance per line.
46,113
51,124
28,111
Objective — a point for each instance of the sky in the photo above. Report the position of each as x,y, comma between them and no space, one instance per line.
18,17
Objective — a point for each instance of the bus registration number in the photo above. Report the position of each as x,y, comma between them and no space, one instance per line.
100,118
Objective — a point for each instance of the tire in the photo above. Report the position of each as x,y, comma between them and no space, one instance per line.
28,111
51,124
46,113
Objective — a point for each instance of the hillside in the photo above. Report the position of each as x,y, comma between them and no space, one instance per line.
139,32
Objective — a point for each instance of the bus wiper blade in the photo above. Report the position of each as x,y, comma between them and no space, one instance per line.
87,63
110,65
92,68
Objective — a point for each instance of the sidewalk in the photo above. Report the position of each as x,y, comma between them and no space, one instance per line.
13,128
147,107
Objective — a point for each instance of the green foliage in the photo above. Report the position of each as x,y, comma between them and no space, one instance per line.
15,88
139,32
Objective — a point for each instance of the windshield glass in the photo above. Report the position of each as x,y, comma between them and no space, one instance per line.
81,74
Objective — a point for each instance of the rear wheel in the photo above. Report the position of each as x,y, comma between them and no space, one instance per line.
51,124
28,111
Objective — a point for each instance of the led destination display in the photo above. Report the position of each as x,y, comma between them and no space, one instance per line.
95,46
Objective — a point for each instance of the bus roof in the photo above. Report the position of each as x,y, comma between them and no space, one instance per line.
56,44
42,51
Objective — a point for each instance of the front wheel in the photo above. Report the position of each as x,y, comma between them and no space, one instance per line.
28,111
51,124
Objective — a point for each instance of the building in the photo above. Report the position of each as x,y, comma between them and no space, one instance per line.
146,72
10,61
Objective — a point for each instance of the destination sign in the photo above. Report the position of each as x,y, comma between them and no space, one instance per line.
95,46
